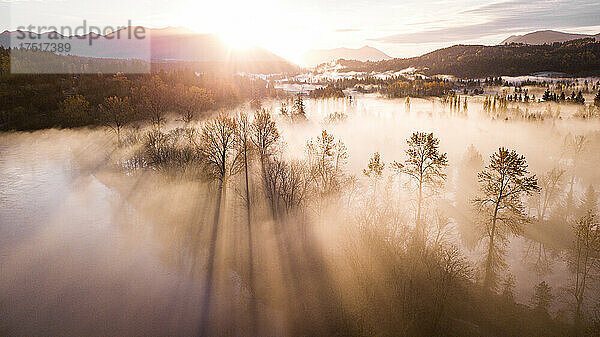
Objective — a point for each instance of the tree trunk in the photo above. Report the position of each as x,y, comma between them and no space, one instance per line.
580,295
118,136
578,314
420,229
269,193
487,281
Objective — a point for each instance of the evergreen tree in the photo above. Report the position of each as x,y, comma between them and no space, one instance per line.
299,106
374,171
503,183
375,167
425,166
508,288
542,297
579,99
546,96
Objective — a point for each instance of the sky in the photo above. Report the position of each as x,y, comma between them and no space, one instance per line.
290,28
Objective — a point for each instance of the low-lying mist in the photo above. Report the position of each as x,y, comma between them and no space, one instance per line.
134,237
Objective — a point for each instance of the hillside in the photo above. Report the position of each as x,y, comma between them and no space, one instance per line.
366,53
546,36
579,57
168,45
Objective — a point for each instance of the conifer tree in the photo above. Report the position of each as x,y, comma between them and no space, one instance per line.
425,166
503,183
542,297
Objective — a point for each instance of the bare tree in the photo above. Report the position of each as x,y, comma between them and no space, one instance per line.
116,113
272,176
452,268
584,255
243,134
441,231
503,182
218,147
293,185
575,147
154,99
550,187
190,101
264,136
425,166
326,160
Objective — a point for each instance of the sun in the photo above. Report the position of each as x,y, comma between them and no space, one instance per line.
239,39
236,22
243,24
281,43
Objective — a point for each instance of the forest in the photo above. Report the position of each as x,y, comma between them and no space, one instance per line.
96,99
577,58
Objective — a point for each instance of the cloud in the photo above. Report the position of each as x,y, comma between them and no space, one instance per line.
421,23
506,18
460,33
500,7
346,30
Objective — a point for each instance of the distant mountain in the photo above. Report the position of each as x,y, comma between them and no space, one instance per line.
167,45
366,53
579,57
546,36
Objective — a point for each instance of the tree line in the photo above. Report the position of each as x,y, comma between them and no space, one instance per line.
38,101
577,57
573,98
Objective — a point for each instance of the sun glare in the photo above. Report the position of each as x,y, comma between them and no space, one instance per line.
242,24
237,38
